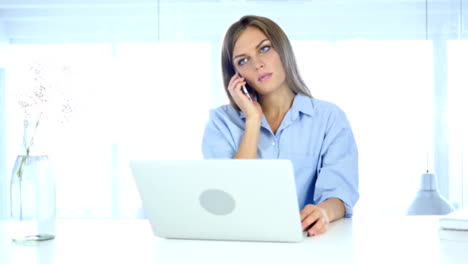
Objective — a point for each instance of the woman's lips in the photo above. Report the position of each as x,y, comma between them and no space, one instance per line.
264,77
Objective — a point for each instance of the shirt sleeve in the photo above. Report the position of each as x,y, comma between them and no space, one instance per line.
217,139
338,164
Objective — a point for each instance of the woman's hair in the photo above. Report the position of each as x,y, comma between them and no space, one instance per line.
279,42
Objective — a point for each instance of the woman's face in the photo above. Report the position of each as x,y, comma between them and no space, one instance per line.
257,61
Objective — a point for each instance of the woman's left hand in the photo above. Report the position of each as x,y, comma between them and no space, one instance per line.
314,220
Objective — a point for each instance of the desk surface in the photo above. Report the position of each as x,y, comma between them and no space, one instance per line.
412,239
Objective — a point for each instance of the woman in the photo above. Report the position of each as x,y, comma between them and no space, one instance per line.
278,119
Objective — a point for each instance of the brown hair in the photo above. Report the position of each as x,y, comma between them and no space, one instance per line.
280,43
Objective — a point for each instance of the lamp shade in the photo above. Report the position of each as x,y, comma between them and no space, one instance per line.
428,201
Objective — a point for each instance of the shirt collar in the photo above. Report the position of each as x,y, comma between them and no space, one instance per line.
301,103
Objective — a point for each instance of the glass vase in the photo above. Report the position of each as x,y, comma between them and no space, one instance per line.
32,199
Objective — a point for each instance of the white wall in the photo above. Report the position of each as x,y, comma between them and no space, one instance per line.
84,20
117,20
3,141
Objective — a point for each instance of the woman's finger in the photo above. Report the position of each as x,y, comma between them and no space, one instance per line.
323,229
319,224
318,230
307,211
236,85
310,219
236,78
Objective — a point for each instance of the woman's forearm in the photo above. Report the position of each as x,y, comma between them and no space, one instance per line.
249,145
334,208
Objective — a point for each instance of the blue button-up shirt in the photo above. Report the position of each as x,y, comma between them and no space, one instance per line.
315,135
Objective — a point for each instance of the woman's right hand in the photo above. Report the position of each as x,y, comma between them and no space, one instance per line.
251,109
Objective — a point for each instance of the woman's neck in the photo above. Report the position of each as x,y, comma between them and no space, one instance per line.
277,104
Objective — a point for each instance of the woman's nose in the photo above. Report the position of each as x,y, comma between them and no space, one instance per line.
258,63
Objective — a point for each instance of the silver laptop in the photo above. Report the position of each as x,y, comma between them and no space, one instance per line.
247,200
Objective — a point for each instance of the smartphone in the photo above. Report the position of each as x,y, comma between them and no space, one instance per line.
246,90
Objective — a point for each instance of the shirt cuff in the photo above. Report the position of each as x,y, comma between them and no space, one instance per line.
348,206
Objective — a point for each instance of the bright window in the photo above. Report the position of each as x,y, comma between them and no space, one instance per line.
131,101
385,88
457,121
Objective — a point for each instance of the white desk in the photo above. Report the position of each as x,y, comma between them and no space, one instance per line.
385,240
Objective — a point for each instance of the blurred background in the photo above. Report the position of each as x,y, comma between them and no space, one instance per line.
142,75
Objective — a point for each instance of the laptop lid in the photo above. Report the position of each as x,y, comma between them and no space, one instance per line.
252,200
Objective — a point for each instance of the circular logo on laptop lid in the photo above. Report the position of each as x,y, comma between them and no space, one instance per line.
217,202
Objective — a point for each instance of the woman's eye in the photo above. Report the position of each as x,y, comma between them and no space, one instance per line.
242,62
264,49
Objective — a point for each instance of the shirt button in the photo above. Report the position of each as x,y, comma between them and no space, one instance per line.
274,143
